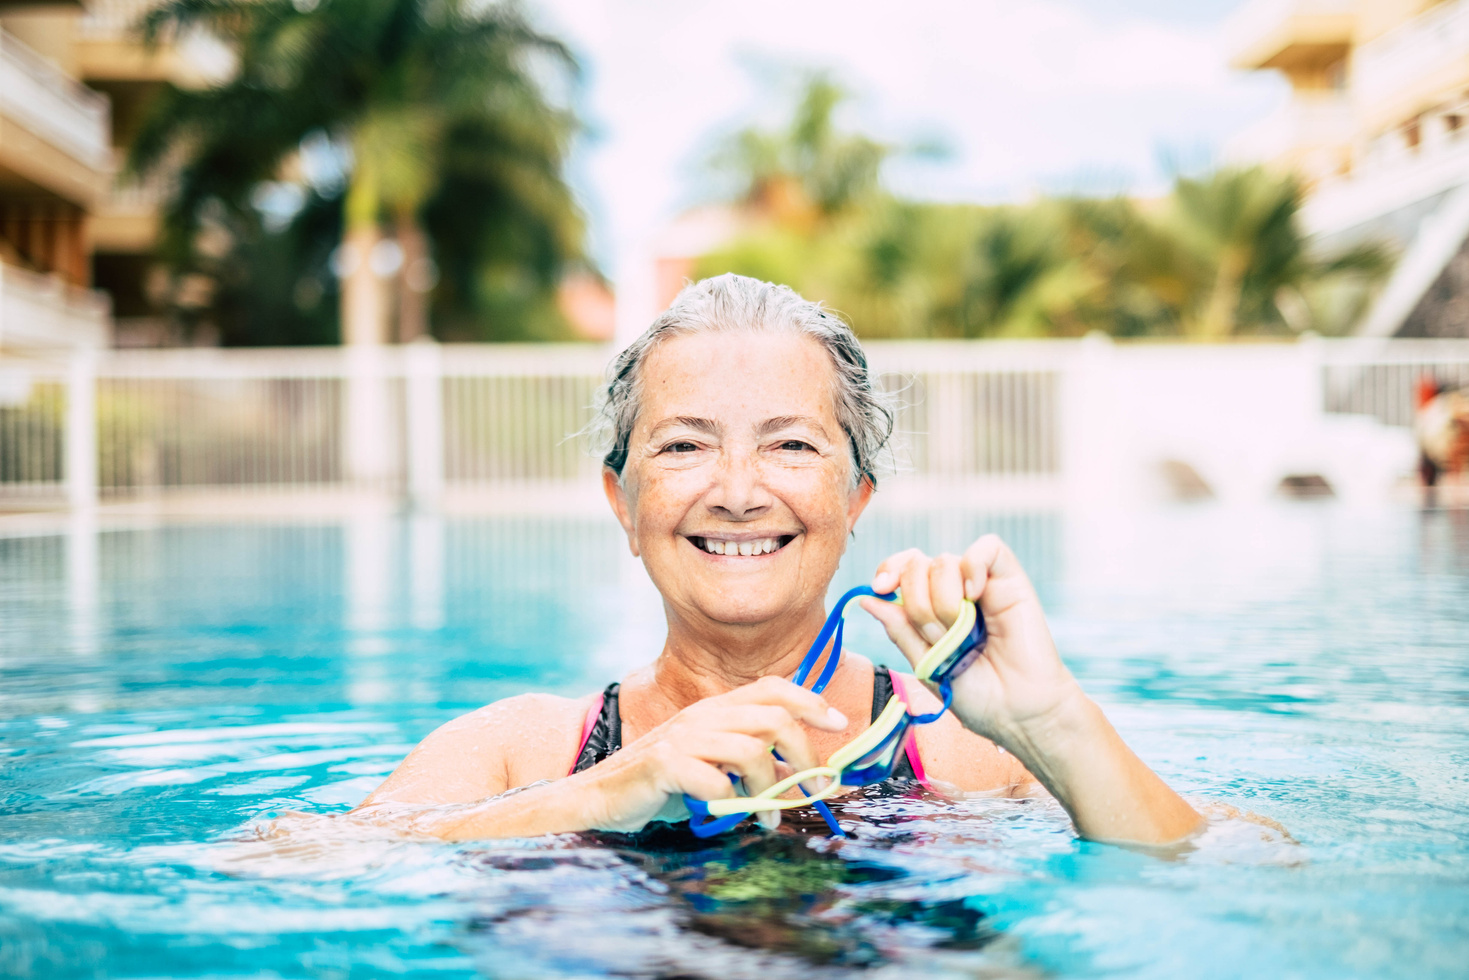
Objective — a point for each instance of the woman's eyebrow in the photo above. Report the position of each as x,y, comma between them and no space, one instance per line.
706,426
788,421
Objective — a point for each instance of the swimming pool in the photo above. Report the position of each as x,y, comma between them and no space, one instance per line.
163,687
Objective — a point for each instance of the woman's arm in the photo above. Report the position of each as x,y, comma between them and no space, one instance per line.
510,743
453,786
1021,696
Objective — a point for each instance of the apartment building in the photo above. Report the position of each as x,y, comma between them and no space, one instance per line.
75,239
1377,124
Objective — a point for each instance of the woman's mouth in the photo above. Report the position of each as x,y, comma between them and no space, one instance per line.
748,548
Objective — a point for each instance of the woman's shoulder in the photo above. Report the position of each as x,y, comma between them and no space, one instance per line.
507,743
522,713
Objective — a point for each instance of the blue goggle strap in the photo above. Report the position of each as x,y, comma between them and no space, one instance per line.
833,627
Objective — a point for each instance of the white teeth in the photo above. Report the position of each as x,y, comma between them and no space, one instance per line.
747,548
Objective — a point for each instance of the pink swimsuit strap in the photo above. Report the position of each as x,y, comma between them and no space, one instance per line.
593,713
910,743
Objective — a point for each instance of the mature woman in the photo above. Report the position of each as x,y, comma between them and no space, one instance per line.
744,429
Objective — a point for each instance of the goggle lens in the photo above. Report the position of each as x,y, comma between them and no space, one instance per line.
877,764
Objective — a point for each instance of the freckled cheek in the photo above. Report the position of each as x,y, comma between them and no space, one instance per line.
663,499
818,500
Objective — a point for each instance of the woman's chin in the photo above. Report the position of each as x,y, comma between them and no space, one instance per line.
745,600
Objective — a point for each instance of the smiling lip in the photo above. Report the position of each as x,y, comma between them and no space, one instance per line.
744,547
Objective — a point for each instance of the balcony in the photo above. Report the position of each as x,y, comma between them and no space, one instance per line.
1312,135
1401,183
126,220
53,131
1295,36
1416,66
41,313
109,49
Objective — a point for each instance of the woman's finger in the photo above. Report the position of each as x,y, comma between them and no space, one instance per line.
991,569
747,757
885,579
899,627
699,779
744,755
917,604
770,725
802,704
946,588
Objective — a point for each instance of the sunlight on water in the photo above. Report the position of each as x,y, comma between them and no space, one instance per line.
163,690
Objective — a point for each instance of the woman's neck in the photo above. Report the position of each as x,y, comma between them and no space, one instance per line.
701,661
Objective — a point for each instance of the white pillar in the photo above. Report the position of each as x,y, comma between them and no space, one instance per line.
81,431
369,562
367,452
368,569
948,424
425,411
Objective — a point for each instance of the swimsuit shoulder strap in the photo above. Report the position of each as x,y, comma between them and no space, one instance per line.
601,732
911,765
884,687
882,690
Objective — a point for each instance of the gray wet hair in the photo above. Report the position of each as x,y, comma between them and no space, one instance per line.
738,303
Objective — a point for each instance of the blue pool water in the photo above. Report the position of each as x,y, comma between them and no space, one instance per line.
163,688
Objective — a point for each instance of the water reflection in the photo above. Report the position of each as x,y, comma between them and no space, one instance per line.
753,905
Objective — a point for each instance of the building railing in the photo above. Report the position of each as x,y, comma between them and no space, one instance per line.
113,18
42,312
51,105
425,420
1312,134
1421,48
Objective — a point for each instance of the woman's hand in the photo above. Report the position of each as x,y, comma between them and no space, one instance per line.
1020,681
1020,695
695,751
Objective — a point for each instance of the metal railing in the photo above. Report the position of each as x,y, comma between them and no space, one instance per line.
988,409
1380,378
422,420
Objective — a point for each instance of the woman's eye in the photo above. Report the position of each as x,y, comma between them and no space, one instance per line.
795,445
680,447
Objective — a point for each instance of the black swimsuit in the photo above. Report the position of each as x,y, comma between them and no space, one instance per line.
605,737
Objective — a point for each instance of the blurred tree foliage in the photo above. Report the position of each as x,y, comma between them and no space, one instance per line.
426,127
1223,255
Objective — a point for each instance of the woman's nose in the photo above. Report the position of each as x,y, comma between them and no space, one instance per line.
738,491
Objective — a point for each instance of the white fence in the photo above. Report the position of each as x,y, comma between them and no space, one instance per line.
416,422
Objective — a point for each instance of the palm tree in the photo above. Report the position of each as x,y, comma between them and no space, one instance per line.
808,170
1241,229
423,99
1022,278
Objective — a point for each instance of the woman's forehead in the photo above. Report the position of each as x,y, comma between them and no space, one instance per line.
737,377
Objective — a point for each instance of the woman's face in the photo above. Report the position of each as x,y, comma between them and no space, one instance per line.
737,492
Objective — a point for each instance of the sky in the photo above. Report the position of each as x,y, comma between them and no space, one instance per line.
1026,96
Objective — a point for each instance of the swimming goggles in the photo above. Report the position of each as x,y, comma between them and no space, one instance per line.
870,757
